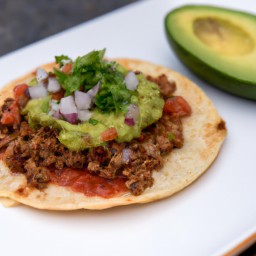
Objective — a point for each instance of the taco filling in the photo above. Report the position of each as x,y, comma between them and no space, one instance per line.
91,125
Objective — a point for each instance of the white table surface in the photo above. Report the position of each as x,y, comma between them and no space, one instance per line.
208,218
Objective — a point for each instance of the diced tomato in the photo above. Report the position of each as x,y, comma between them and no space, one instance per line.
177,106
19,90
12,115
67,68
109,134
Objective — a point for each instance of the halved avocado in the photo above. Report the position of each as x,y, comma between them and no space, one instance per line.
217,44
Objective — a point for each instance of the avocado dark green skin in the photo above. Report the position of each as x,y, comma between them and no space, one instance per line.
210,74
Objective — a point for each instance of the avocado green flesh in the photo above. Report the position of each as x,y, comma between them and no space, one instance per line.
85,135
217,44
223,36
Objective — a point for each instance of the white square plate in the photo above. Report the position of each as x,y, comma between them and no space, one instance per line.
210,217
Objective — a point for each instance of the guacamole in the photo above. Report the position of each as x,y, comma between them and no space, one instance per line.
108,107
87,134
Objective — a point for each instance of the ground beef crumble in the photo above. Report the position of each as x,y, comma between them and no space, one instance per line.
36,152
166,86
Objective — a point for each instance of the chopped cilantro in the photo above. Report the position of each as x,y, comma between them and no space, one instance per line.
71,84
171,136
93,121
61,77
90,69
62,59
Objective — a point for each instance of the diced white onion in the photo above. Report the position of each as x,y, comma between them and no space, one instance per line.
67,105
64,62
68,109
51,112
38,91
54,105
57,114
53,85
132,115
92,92
84,115
82,100
129,121
54,109
126,155
131,81
71,118
41,74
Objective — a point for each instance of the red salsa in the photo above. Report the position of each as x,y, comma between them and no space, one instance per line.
87,183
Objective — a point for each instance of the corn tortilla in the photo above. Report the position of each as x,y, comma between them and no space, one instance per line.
202,143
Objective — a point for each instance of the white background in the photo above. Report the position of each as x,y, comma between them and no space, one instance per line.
207,218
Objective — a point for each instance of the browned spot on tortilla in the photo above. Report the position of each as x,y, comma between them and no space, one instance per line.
24,192
221,125
39,196
20,191
42,196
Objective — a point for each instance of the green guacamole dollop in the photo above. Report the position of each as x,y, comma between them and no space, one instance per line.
86,135
110,104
